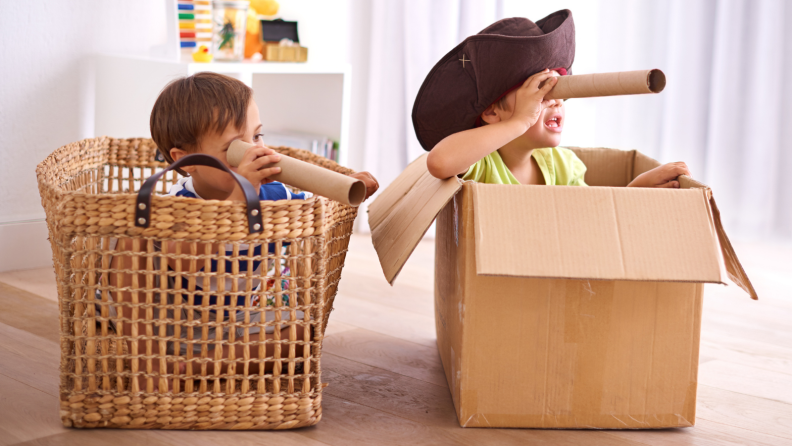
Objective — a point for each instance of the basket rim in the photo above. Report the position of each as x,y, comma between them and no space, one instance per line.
52,159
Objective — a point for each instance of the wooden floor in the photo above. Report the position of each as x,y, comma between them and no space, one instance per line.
386,383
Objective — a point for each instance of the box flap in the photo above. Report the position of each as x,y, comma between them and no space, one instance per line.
595,233
403,212
734,268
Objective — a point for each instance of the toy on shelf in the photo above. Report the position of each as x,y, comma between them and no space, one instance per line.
253,43
195,25
281,43
265,7
202,55
229,25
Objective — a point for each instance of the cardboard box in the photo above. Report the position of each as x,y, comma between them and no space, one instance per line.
564,307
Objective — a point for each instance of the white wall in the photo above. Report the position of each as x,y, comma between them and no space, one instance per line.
46,87
46,96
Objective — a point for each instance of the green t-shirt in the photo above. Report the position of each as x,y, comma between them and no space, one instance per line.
559,166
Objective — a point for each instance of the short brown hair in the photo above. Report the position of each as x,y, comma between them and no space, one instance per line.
190,107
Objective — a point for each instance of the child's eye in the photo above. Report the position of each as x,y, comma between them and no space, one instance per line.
258,136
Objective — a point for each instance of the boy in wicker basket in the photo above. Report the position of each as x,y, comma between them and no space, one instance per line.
482,120
204,113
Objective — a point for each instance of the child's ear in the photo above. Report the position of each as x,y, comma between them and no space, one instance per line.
176,154
491,115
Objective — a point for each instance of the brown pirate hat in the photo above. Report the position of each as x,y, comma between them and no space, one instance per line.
480,69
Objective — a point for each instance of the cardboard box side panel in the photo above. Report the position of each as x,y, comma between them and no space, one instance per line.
652,360
692,395
466,267
594,233
579,354
643,164
449,281
606,167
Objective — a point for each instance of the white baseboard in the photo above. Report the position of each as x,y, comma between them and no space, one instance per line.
24,245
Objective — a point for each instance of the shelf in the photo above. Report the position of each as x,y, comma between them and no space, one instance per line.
244,67
304,97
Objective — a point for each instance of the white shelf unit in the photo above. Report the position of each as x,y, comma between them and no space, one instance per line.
304,97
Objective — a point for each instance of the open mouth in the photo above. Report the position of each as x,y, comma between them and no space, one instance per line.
554,123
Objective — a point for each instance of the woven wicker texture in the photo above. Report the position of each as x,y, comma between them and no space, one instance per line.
191,323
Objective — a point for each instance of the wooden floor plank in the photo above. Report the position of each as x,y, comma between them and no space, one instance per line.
345,422
26,311
401,296
29,359
747,412
393,322
26,413
737,350
705,433
118,437
388,353
747,380
39,281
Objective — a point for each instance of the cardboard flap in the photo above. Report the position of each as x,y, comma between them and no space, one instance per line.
403,212
733,266
595,233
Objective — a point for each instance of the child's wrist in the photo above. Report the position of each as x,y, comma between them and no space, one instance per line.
519,125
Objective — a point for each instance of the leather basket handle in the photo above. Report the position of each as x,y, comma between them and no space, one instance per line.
143,202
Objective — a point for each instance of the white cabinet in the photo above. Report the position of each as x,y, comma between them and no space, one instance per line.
300,97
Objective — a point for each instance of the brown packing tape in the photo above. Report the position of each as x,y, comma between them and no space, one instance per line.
608,84
308,177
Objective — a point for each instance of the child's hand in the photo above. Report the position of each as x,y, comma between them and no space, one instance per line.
530,101
253,162
663,176
368,179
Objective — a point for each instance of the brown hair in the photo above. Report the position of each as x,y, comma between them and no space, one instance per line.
190,107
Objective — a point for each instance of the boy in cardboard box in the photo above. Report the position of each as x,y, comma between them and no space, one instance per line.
481,119
599,325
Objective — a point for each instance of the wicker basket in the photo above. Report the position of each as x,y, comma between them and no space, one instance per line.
187,362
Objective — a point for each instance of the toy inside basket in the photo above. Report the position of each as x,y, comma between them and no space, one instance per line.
193,322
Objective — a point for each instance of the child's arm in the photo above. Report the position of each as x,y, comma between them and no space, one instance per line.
456,153
662,176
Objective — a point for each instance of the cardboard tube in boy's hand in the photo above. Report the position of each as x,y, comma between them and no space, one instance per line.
306,176
608,84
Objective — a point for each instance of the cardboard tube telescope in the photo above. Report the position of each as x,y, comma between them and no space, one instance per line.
608,84
308,177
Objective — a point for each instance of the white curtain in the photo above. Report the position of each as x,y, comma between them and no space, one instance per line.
394,44
725,111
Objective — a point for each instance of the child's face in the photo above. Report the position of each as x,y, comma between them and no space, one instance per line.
211,183
547,130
